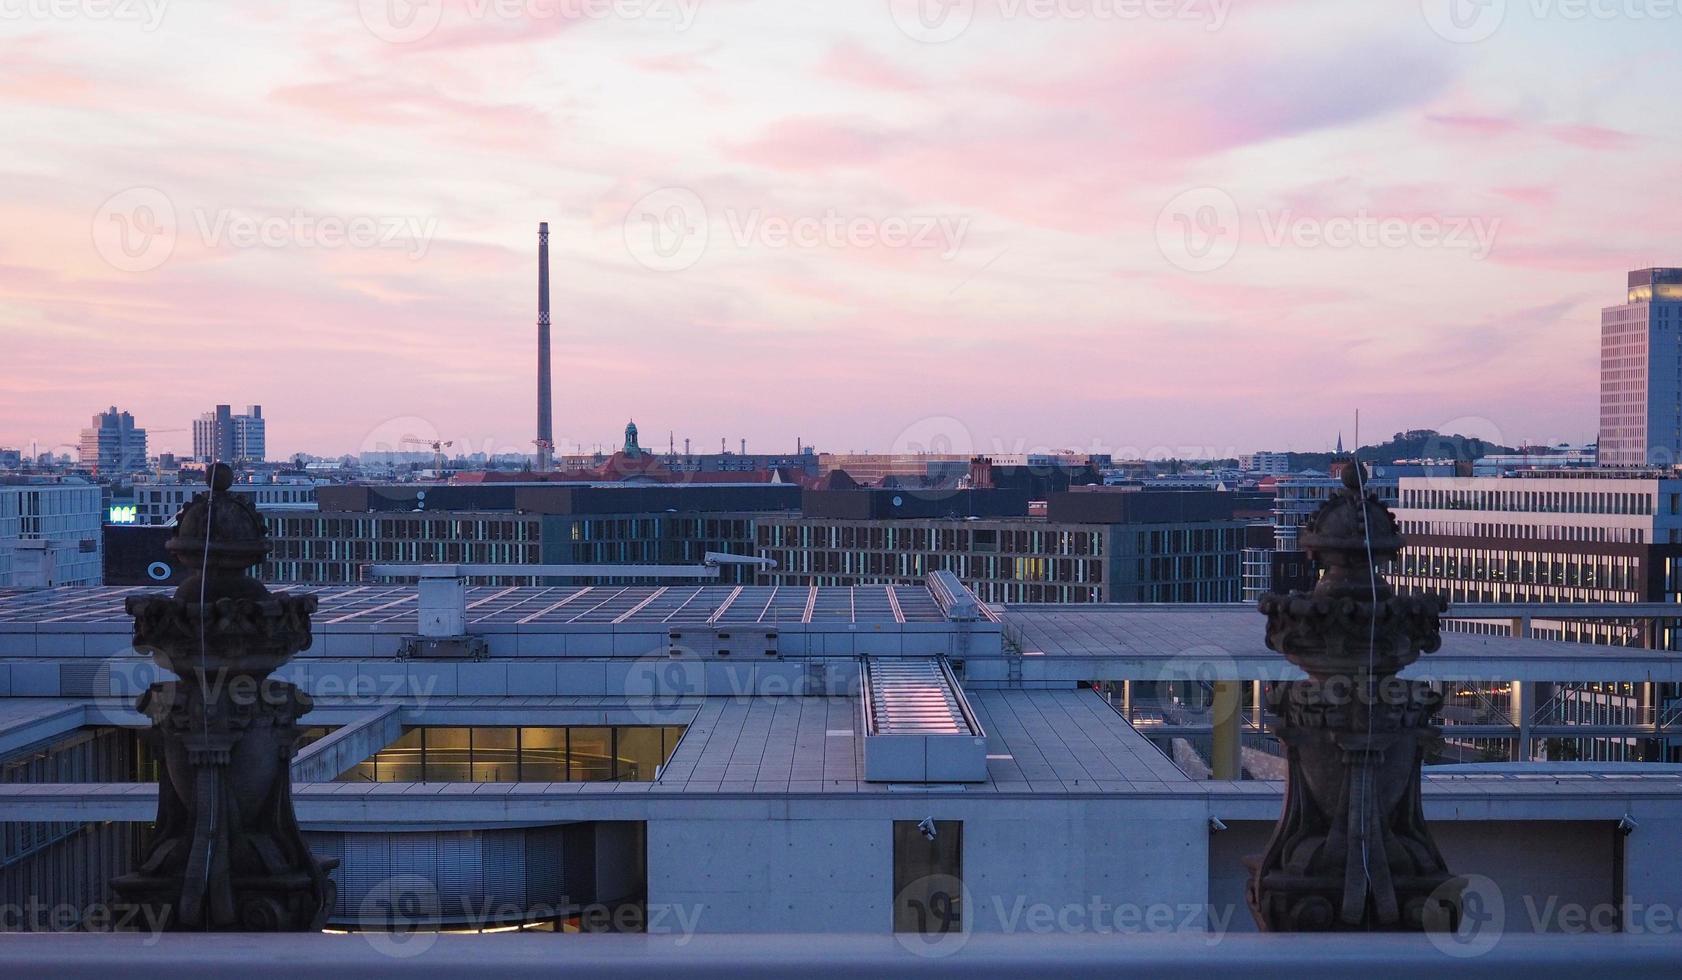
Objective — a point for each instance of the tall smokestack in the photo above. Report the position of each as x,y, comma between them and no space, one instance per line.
545,411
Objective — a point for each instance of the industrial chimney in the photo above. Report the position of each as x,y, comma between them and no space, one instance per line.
545,413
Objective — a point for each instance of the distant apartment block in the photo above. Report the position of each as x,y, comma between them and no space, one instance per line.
113,446
1296,497
1641,372
158,503
50,533
221,435
1267,464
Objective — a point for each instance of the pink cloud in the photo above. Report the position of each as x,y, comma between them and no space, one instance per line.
857,65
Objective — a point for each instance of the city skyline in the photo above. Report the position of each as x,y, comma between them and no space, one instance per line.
892,217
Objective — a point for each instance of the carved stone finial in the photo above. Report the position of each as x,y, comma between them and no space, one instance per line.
1351,850
226,852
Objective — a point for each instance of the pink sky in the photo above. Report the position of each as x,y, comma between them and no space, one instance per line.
872,235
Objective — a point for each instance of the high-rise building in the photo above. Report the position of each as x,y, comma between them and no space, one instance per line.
226,437
112,446
1641,372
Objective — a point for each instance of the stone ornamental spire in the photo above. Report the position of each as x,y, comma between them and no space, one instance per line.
1351,850
226,852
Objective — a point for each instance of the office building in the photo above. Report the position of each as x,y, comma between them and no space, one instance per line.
350,526
1092,545
1581,537
50,532
1641,372
1584,536
113,446
223,436
158,503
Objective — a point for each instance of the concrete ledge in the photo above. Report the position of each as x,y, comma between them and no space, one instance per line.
741,957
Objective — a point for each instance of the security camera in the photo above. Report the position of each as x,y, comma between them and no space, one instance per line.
926,828
1215,825
1627,825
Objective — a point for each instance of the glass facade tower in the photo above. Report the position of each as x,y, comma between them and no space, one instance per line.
1641,372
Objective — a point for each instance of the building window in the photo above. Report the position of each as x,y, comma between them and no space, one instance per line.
929,877
500,754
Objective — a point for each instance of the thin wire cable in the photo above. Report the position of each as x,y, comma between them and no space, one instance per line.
204,670
1372,654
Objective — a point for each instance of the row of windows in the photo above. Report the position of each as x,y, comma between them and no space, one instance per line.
627,753
1619,572
1536,501
985,590
404,528
1530,532
894,537
912,568
629,528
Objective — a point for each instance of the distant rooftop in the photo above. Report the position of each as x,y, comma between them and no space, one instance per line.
534,605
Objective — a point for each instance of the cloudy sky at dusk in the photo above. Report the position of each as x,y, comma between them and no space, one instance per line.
1195,227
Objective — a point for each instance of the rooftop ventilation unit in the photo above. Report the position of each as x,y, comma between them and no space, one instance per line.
918,727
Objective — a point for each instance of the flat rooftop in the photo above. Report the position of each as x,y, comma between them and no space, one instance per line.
1038,742
374,605
1138,642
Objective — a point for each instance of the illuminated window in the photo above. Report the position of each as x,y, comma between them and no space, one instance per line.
634,753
